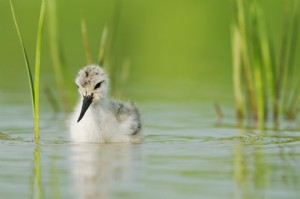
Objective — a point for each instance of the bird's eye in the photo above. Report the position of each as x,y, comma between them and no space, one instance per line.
98,85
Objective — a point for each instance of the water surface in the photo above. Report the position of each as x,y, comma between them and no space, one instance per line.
185,154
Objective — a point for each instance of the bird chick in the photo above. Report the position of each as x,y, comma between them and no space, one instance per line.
98,119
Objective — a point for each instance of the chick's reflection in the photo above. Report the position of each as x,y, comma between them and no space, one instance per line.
96,167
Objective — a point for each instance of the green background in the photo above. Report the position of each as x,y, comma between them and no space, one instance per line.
177,50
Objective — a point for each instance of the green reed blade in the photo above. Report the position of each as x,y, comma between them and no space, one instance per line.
281,76
269,66
37,69
112,61
29,74
85,40
245,56
237,79
292,107
260,94
289,66
56,54
258,64
103,45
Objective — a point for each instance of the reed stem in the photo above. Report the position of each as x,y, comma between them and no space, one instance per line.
85,40
268,82
34,85
237,78
37,69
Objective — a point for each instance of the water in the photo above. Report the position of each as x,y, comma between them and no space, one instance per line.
185,154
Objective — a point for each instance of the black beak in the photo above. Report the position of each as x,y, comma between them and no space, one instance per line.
87,100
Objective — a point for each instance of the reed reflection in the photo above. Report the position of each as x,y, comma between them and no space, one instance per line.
257,169
37,187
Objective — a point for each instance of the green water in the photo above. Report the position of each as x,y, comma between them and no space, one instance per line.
180,64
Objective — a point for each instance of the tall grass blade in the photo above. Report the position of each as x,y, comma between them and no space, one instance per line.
111,64
281,69
292,107
245,57
29,73
103,45
268,63
85,40
288,76
37,70
258,66
56,54
272,76
237,79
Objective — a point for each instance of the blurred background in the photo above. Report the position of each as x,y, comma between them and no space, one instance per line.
176,50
